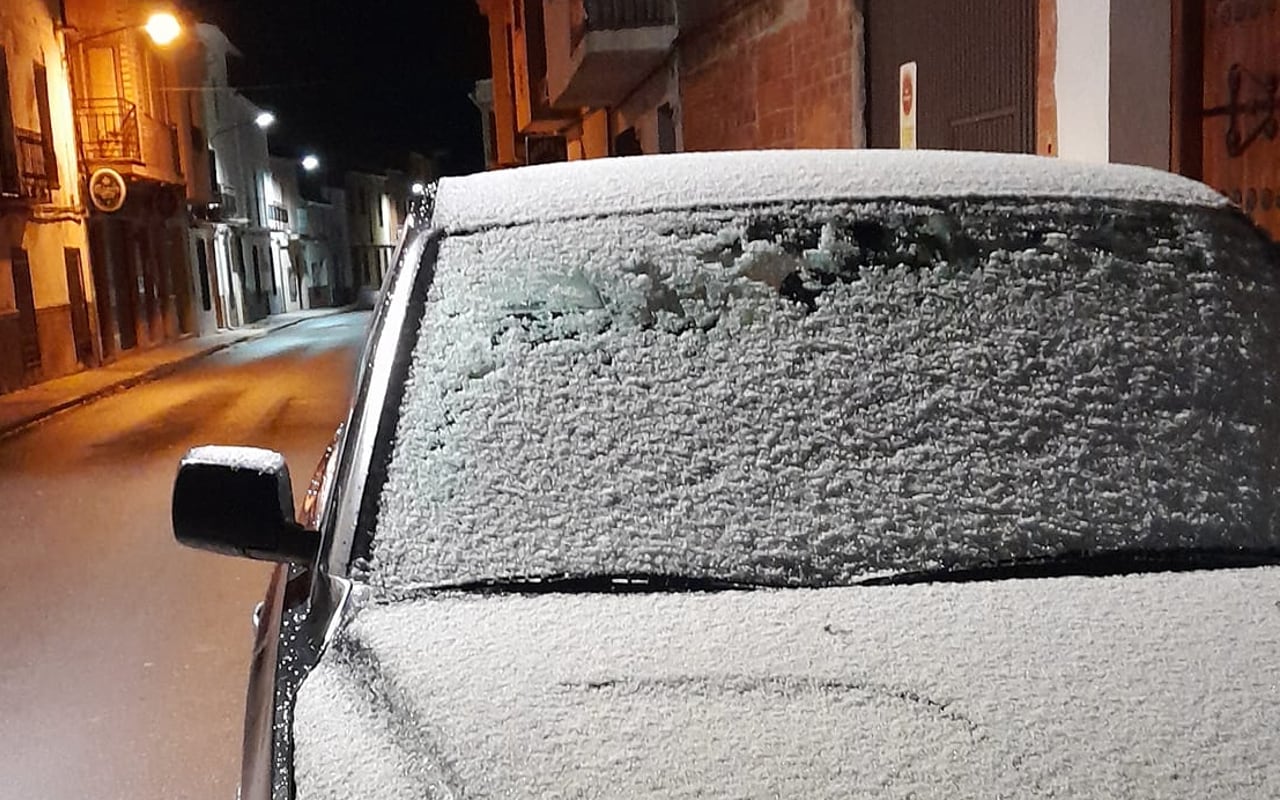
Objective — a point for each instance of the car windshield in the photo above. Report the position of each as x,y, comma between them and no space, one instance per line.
812,394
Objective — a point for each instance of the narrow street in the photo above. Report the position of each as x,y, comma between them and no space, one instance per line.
122,655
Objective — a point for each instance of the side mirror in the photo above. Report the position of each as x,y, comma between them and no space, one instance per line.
239,501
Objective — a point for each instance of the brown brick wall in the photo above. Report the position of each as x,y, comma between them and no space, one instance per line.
771,73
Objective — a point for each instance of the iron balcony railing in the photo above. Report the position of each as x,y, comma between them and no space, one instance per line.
109,129
228,203
112,129
612,15
33,170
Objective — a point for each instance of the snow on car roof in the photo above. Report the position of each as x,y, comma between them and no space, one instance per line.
689,180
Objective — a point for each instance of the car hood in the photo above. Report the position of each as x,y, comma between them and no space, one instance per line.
1139,686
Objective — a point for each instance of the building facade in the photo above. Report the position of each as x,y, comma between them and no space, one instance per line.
1187,85
369,227
592,78
1191,86
231,234
319,249
377,206
48,319
308,238
334,219
136,141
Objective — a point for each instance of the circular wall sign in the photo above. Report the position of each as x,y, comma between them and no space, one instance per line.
107,190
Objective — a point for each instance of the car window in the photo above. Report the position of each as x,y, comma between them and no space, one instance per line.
809,394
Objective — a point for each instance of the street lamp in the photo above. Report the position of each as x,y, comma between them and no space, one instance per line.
162,28
310,163
418,188
262,120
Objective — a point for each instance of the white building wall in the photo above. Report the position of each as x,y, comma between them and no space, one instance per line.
1082,80
203,240
372,235
283,192
242,165
30,37
1113,81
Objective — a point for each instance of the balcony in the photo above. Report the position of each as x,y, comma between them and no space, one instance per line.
229,204
279,216
598,51
115,133
534,111
30,183
224,207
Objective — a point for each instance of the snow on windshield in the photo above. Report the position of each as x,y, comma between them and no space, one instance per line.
809,394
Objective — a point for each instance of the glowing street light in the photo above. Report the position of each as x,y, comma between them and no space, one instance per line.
163,28
310,163
262,120
418,188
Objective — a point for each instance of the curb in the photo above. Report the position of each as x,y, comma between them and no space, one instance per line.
155,373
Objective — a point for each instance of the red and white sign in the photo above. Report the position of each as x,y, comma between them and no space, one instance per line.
908,102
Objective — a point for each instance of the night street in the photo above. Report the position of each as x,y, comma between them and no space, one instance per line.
124,660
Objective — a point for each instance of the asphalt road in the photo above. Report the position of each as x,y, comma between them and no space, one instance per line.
122,655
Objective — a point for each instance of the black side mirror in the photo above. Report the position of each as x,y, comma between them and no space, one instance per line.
239,501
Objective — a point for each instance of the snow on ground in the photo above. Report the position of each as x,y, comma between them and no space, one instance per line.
1151,686
805,394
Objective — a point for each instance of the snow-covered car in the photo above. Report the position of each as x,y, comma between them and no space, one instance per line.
789,474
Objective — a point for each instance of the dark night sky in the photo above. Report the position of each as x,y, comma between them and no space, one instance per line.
362,82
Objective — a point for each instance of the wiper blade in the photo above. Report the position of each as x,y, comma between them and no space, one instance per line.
1113,562
600,584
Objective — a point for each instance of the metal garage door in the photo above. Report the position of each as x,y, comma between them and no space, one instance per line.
975,78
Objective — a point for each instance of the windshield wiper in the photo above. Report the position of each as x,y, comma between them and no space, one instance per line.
619,583
1114,562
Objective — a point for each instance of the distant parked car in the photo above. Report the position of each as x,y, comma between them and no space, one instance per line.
788,474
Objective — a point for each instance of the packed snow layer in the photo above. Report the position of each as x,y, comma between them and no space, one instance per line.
254,459
1151,686
636,395
696,180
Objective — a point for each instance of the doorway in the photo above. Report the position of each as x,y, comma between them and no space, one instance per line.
24,296
1230,132
80,328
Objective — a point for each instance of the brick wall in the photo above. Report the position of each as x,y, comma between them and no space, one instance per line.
771,73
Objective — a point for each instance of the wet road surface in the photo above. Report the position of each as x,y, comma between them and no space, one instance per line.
122,655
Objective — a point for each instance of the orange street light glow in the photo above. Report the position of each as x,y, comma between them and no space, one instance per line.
163,28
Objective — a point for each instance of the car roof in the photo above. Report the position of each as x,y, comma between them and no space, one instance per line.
698,180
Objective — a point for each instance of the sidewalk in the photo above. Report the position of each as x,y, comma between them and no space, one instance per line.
25,407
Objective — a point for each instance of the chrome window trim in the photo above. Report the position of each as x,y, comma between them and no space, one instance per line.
342,516
328,599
